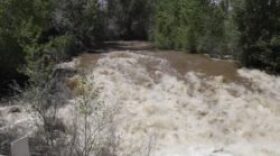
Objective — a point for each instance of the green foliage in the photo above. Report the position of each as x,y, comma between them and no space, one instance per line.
23,25
20,27
10,57
194,25
259,24
79,19
131,18
36,34
41,58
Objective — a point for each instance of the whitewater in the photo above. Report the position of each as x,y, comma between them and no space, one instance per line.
156,108
187,114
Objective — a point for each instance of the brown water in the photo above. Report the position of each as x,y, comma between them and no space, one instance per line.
174,104
182,62
191,104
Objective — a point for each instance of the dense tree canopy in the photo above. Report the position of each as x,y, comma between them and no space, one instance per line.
259,24
247,30
33,31
194,25
131,18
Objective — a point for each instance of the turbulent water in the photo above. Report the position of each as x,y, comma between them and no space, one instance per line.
163,104
188,114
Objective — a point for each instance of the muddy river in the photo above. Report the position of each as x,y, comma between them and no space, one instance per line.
179,104
167,103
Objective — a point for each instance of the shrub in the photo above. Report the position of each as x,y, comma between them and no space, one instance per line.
259,24
189,25
79,19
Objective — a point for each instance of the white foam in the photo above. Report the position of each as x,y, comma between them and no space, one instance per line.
198,115
195,116
21,123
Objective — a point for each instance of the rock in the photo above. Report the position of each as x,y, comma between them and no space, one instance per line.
2,123
20,147
14,109
67,65
66,69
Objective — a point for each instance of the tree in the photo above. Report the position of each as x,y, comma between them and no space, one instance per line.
17,17
79,19
34,34
259,24
132,18
193,25
27,45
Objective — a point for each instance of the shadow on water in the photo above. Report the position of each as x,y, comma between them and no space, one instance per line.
8,83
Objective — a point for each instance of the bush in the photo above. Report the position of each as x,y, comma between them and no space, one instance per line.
129,19
79,19
21,23
259,24
190,25
33,35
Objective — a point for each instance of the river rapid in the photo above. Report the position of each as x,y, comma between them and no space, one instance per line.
167,103
177,104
